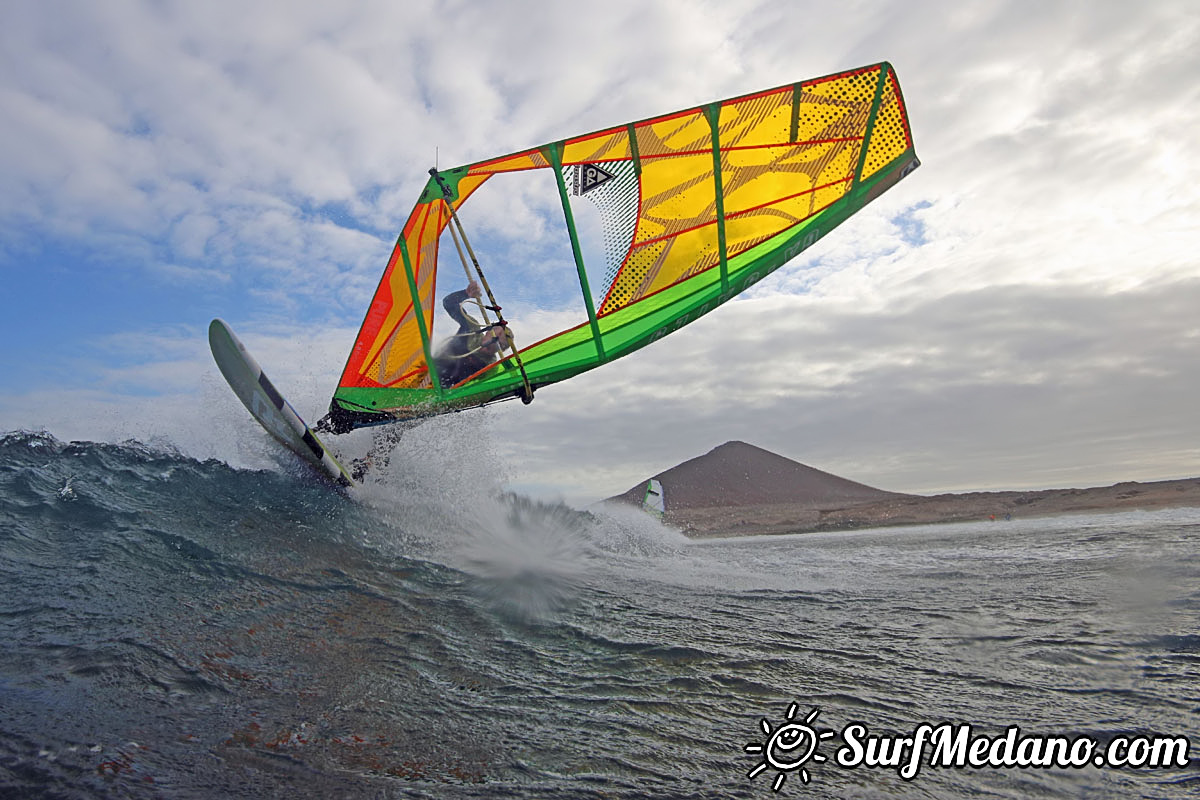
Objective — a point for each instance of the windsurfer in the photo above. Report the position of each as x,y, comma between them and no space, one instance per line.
473,346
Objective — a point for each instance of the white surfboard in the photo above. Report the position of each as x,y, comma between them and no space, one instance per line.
267,405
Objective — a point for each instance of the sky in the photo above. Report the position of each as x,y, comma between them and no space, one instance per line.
1020,312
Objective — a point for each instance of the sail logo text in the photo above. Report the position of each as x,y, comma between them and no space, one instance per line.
791,746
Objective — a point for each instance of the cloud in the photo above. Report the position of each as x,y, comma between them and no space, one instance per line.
1008,387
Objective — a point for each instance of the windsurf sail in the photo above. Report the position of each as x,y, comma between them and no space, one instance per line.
654,501
658,222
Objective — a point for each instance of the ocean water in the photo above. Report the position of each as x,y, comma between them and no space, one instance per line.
182,629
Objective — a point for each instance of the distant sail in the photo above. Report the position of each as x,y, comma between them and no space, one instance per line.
655,501
694,206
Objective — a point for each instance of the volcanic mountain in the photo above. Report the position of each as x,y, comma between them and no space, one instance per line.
738,482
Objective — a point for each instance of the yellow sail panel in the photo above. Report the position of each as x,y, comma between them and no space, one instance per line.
785,155
677,195
769,182
675,234
397,364
400,361
688,132
612,145
662,263
838,107
466,187
890,136
748,228
529,159
390,341
748,126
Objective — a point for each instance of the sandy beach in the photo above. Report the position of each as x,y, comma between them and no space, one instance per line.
778,518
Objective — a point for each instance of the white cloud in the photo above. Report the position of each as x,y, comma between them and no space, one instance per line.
1005,387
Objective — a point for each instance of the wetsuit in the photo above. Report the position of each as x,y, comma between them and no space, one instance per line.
460,357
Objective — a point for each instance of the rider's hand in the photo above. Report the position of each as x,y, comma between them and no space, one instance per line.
473,290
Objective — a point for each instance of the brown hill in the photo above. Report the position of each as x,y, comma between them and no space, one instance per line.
739,475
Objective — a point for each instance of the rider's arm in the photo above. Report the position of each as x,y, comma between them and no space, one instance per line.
453,305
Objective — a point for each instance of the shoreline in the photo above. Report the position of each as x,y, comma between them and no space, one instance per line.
791,518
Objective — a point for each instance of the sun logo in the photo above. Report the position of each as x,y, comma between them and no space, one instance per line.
789,747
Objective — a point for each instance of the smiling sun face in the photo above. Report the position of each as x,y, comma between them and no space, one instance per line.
789,747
